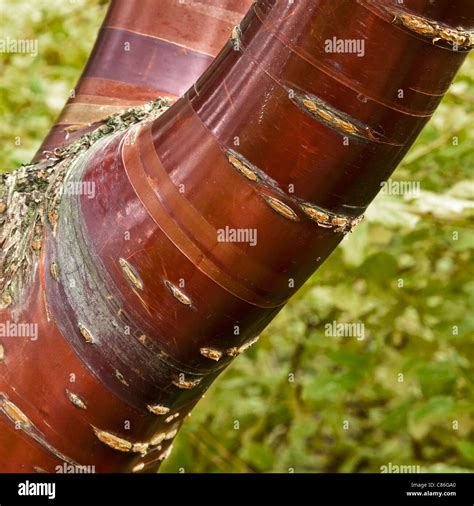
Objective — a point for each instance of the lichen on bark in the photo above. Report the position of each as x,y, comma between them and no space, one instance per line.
30,197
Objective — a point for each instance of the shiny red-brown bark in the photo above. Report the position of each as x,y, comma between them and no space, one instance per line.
275,127
145,49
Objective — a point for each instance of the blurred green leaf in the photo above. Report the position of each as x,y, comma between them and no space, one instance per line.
436,379
423,417
467,449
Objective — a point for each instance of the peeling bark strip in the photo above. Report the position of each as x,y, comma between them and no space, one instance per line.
174,40
142,367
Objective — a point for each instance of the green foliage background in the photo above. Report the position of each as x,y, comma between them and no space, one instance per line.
406,390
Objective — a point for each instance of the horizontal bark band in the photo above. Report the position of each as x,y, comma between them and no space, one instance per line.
117,51
146,187
177,21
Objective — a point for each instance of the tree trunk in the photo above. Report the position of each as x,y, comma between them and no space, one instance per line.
162,244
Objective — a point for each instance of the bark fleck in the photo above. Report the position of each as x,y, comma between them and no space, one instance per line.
186,384
171,418
242,166
237,350
211,353
281,208
140,448
14,413
113,441
178,294
166,453
76,400
330,116
171,434
21,421
139,467
157,438
236,38
121,378
86,334
454,38
131,273
325,219
158,409
54,270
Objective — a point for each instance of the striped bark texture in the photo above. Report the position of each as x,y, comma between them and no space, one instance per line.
140,296
145,49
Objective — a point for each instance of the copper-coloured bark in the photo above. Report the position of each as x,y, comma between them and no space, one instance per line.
145,49
141,294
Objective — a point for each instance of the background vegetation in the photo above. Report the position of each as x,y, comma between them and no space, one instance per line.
301,400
